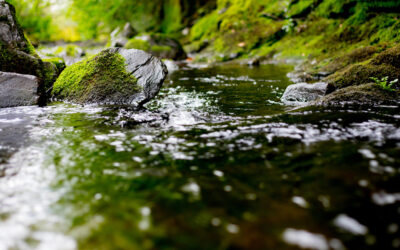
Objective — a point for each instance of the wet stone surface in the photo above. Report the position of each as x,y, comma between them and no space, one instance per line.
232,167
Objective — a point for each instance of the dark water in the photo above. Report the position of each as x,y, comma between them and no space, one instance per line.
232,168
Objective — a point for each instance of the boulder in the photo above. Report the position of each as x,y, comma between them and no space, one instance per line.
158,45
18,55
386,63
119,37
364,94
129,31
18,90
114,76
304,92
11,34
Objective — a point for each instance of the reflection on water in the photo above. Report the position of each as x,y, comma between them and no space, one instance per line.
218,162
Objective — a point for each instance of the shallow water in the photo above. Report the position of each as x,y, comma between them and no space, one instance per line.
230,168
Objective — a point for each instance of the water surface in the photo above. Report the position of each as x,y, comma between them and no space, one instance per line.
218,162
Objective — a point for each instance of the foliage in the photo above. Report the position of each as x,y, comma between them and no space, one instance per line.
384,83
168,16
34,18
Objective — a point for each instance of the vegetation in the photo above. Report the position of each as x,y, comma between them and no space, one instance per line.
384,83
35,18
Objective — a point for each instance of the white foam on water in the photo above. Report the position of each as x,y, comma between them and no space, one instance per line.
350,225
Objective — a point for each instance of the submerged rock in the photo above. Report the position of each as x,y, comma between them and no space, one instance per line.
158,45
304,92
114,76
18,90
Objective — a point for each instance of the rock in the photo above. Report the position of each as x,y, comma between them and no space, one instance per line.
303,92
171,65
128,31
197,46
18,90
18,55
11,34
158,45
254,62
114,76
387,63
365,94
300,76
119,38
358,74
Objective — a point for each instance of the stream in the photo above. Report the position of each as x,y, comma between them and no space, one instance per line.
217,162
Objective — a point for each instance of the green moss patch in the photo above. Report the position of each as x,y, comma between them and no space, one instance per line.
135,43
96,79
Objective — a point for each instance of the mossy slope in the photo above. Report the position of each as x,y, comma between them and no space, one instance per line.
319,29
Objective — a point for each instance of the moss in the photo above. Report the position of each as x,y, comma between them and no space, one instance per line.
20,62
72,50
356,56
29,47
160,48
388,57
50,74
365,94
58,62
302,8
360,74
335,9
135,43
205,27
96,79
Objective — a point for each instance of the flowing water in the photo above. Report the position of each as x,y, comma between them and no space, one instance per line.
218,162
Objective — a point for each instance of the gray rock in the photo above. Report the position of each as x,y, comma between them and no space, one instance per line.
117,39
149,70
11,33
18,90
129,31
303,92
300,77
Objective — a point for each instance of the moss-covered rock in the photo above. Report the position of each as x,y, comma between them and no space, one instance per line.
365,94
388,57
360,74
58,62
356,56
114,76
386,63
97,79
18,55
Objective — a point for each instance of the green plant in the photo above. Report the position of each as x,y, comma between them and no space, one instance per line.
384,83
